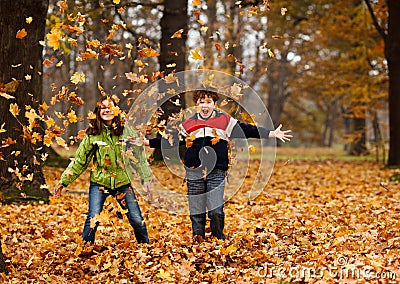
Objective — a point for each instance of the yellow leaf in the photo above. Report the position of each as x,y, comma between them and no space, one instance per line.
270,53
7,96
164,274
14,109
2,130
116,1
21,34
91,115
29,20
72,116
54,37
61,142
47,140
196,54
78,77
50,122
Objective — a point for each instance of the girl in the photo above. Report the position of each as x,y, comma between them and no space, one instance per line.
108,175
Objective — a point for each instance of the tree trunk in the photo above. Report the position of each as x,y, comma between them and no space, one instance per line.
358,145
20,171
3,268
392,53
172,50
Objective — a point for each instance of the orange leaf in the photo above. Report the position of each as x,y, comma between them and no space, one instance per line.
177,34
21,34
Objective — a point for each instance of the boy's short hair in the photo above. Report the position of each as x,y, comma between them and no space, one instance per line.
200,94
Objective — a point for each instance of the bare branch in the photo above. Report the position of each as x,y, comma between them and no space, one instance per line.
380,30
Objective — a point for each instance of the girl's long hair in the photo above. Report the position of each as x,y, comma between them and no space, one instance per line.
96,124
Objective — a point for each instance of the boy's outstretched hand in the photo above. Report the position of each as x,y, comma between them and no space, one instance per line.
281,135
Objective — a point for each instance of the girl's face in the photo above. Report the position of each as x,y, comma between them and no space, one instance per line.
106,114
206,106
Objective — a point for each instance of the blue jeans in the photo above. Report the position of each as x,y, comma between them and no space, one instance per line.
206,194
126,198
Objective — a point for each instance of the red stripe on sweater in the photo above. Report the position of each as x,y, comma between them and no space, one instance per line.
219,122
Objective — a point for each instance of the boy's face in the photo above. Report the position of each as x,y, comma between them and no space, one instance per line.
205,106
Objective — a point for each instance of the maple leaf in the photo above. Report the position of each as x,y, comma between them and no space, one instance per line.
14,109
196,54
21,34
72,117
54,36
171,79
177,34
148,52
78,77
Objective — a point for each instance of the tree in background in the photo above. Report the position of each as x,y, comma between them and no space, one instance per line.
388,30
22,27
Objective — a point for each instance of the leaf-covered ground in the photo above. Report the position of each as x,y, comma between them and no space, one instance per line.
316,221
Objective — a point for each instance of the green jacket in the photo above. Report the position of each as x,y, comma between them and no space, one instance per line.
108,162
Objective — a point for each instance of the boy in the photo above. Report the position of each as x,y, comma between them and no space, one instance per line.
206,159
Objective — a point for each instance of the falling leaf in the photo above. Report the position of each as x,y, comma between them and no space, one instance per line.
60,141
91,115
148,52
54,37
21,34
196,54
72,117
177,34
7,96
14,109
134,78
270,53
171,79
2,130
78,77
283,11
196,2
116,1
29,20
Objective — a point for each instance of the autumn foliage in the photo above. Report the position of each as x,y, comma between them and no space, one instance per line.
312,215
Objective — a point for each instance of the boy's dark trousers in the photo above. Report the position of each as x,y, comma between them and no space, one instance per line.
206,193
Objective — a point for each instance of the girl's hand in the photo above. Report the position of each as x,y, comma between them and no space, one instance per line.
138,141
281,135
58,190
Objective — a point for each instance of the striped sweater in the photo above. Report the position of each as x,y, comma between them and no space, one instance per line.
202,133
